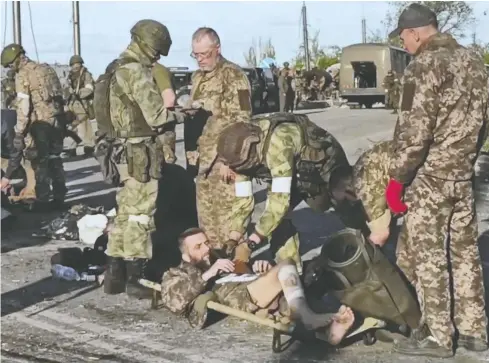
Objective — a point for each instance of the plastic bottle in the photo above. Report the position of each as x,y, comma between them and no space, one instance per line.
64,273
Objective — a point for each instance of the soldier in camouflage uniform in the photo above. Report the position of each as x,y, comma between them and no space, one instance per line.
195,275
39,106
137,117
300,84
79,102
388,85
442,114
9,95
163,79
8,90
296,158
222,90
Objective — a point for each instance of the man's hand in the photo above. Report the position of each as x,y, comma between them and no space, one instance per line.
5,184
220,265
393,196
261,267
226,173
379,238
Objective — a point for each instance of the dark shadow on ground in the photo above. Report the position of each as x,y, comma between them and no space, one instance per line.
75,174
176,211
42,290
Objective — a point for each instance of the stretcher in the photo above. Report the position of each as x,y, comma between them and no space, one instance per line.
366,329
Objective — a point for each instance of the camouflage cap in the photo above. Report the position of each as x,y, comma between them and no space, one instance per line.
154,34
235,142
76,59
10,53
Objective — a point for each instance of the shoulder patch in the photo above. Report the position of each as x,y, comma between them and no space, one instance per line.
408,95
244,100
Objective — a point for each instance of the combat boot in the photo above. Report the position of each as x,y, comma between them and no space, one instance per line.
471,343
136,270
422,343
115,276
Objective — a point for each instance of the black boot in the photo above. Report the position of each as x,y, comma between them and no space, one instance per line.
135,271
115,276
471,343
422,343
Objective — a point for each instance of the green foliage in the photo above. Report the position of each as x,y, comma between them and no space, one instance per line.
321,57
454,17
258,51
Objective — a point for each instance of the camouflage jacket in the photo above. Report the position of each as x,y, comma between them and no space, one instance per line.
280,158
35,101
8,92
225,93
370,177
183,284
442,111
81,91
136,81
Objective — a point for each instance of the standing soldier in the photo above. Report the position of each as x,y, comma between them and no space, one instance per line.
163,79
39,106
79,102
223,91
283,86
8,90
299,87
443,112
388,87
130,114
290,94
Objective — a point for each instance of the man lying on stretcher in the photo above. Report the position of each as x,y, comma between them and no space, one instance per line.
195,275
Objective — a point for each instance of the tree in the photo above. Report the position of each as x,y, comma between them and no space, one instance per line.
454,17
258,52
321,57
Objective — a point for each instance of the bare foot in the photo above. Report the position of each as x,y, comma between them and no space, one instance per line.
342,321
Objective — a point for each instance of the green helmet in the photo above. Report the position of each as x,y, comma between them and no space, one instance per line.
154,34
76,59
10,53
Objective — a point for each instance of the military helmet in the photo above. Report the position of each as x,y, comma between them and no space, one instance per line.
235,143
10,53
76,59
286,64
154,34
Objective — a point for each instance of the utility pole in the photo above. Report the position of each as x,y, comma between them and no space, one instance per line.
76,27
17,25
364,30
307,59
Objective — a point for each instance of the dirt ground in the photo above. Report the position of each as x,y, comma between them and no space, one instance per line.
44,320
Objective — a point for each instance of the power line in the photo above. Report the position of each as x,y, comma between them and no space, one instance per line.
5,25
32,30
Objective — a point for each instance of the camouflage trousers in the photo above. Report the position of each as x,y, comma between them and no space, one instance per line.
48,165
214,207
441,230
130,236
85,131
168,139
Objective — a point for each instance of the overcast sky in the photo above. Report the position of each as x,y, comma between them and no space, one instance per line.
105,26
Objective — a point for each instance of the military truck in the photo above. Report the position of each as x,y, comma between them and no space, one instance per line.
363,68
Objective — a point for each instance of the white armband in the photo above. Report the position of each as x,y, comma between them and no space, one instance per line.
243,189
282,184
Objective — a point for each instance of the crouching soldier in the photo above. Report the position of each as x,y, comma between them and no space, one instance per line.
297,159
196,275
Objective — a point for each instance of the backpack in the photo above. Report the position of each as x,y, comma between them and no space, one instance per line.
101,98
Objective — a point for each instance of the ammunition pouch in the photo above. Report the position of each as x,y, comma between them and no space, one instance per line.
109,153
145,160
311,171
361,277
